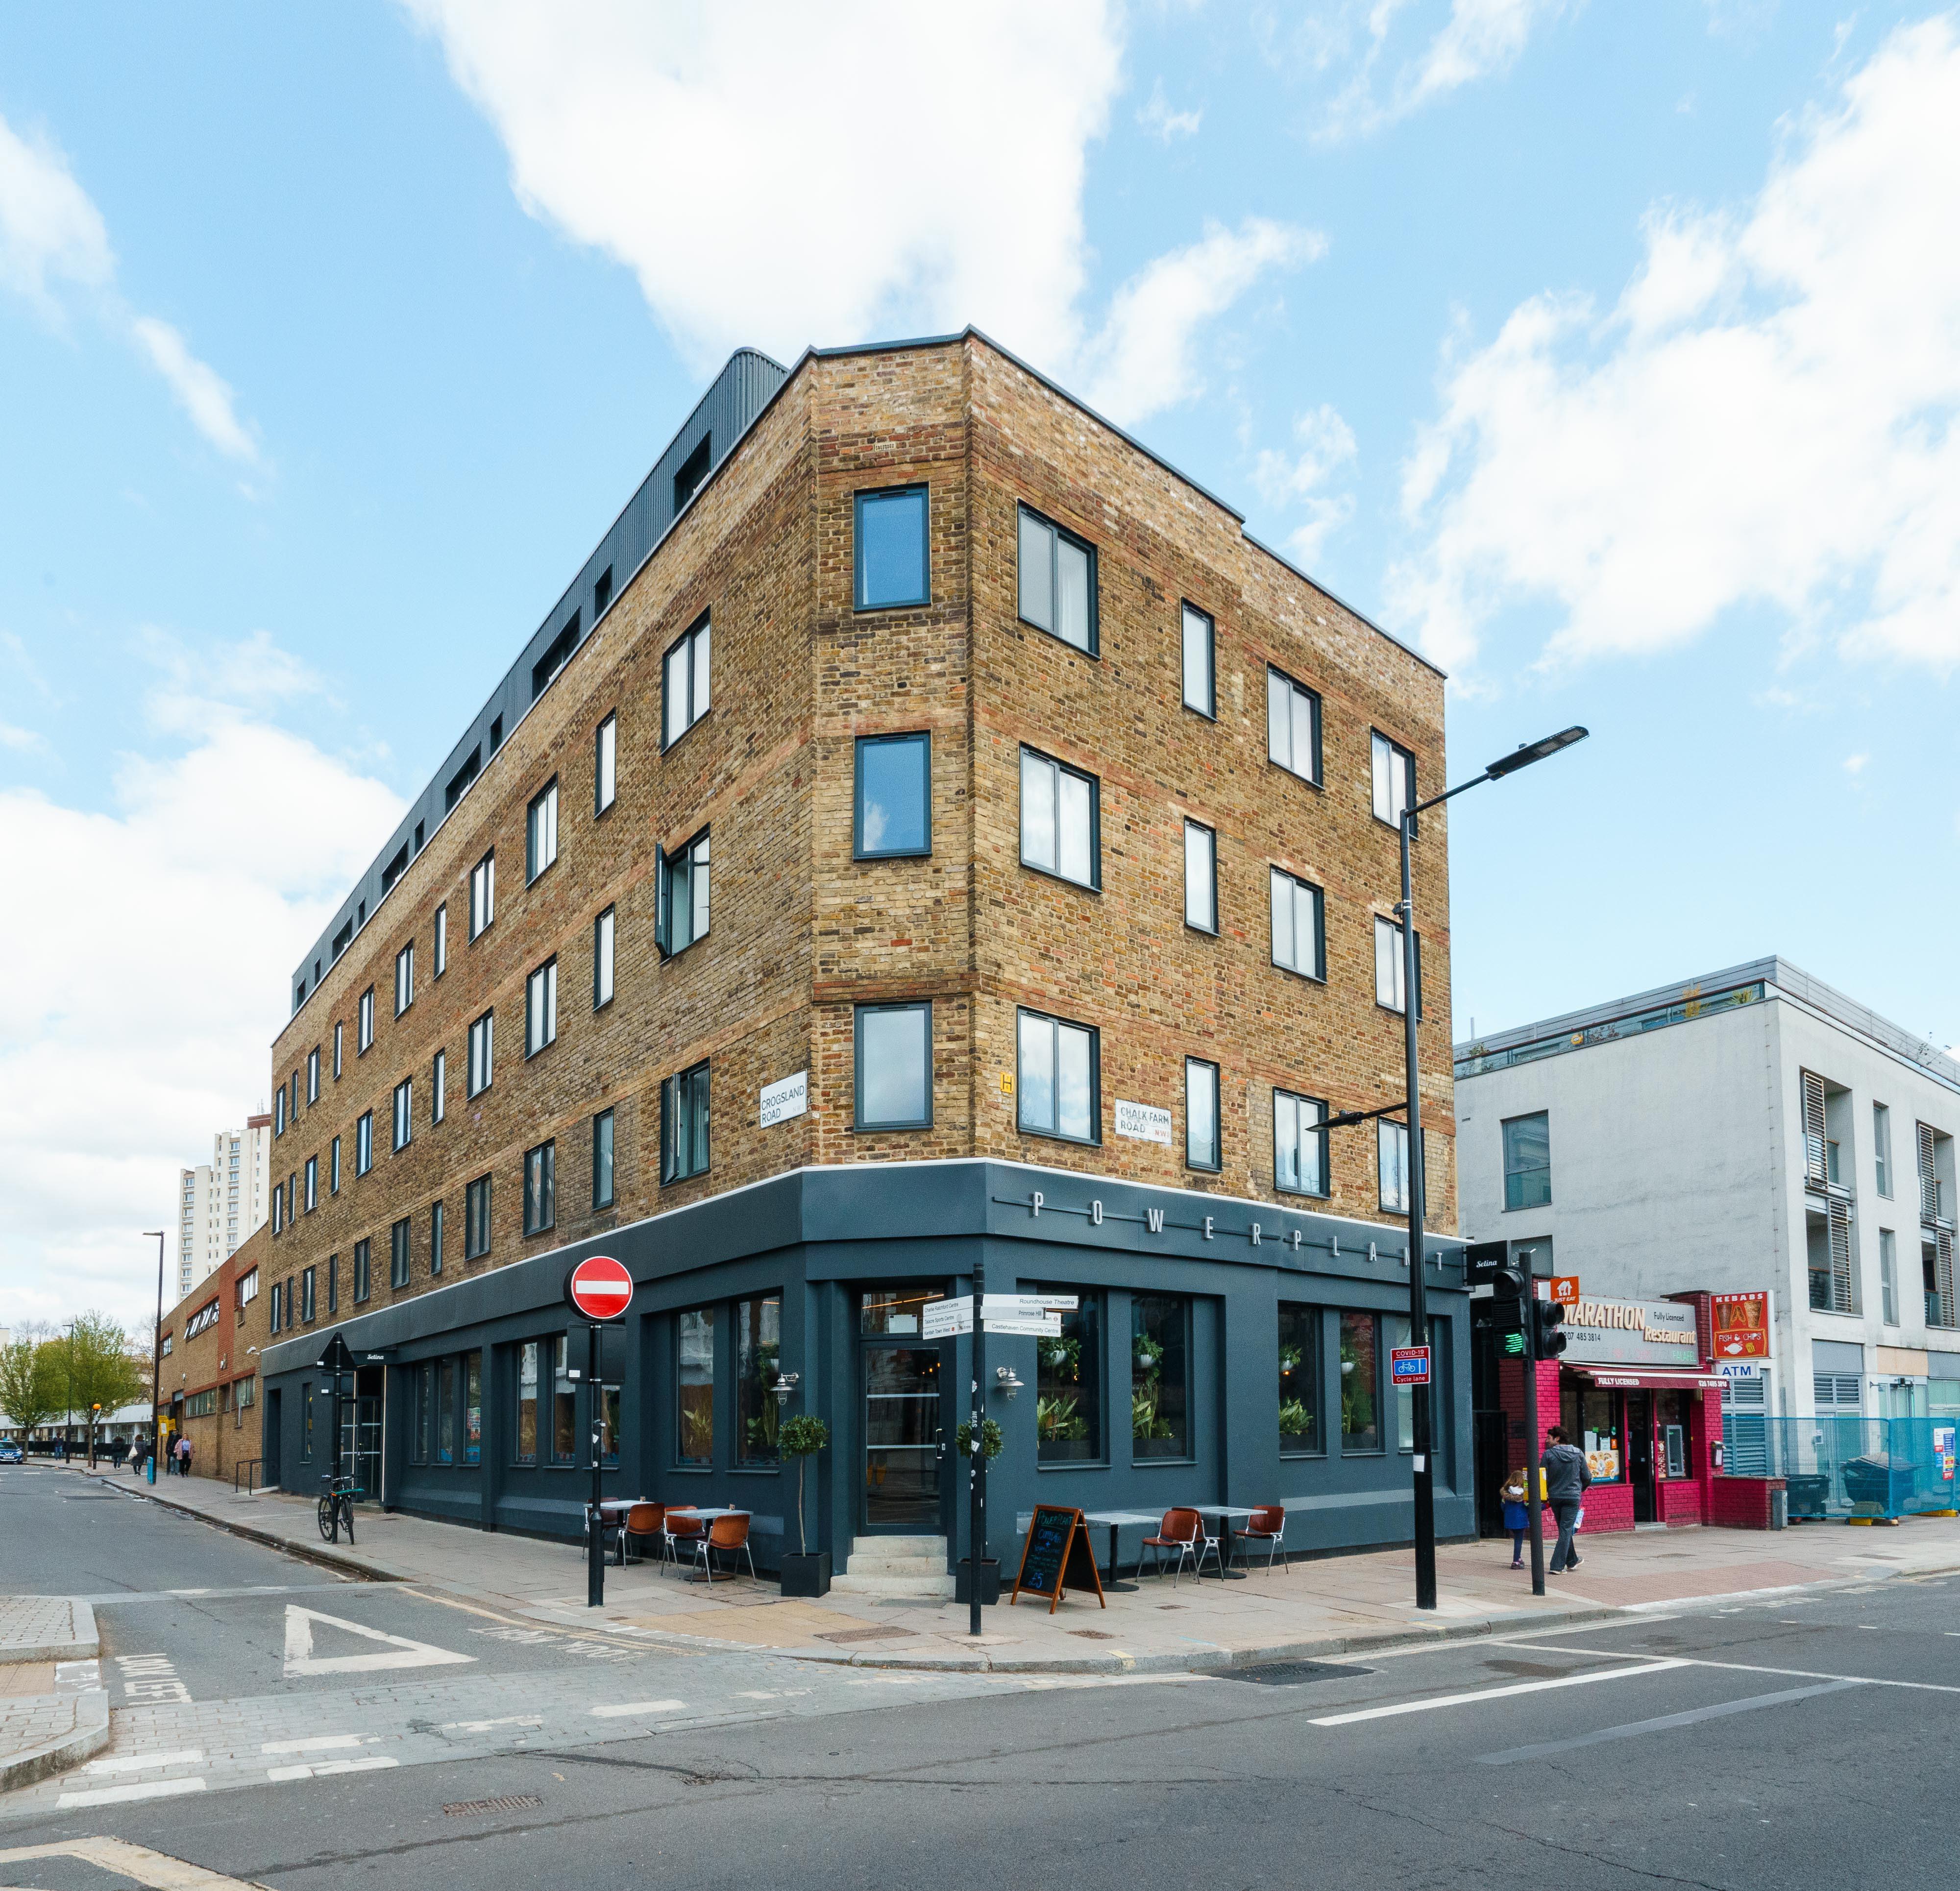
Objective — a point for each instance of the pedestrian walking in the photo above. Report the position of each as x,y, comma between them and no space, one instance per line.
1517,1516
1567,1479
183,1457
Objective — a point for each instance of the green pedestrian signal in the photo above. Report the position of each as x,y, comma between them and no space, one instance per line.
1514,1345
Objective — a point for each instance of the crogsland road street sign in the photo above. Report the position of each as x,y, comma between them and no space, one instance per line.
598,1288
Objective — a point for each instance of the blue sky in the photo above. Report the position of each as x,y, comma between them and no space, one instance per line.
1610,353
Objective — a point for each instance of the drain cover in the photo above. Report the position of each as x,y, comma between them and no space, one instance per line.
1288,1673
510,1802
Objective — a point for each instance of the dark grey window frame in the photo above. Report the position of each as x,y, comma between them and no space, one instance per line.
857,499
363,1142
1380,919
487,868
663,893
670,1095
1408,756
438,1228
612,1148
312,1196
364,1034
857,1122
547,975
534,868
439,942
1317,778
1190,924
476,1219
602,802
606,928
472,1088
1319,975
690,637
364,1270
313,1076
541,1187
1325,1193
401,1253
1094,650
1094,1139
1210,713
401,1131
1094,883
858,850
1504,1147
1217,1166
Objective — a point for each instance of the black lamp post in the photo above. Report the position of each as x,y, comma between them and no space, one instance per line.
1522,756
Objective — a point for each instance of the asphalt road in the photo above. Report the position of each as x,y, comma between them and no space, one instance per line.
1798,1742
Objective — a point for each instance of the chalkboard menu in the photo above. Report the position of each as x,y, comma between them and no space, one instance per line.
1056,1557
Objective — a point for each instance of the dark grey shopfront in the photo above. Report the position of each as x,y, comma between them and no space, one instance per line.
1223,1350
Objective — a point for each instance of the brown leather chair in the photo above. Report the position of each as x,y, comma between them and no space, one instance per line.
643,1519
1180,1530
1267,1525
729,1534
680,1527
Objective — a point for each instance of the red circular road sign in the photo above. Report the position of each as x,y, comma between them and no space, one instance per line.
598,1288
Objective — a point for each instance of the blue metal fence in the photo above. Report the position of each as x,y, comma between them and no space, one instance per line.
1834,1468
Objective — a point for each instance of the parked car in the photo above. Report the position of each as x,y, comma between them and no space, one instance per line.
12,1453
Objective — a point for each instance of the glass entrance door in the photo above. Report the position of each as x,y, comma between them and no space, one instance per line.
360,1434
905,1428
1640,1456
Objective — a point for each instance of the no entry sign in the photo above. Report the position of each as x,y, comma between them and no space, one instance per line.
598,1288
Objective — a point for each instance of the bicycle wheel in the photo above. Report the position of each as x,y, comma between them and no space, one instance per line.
326,1518
347,1512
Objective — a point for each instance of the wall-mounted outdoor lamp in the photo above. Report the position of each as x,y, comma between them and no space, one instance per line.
785,1384
1005,1380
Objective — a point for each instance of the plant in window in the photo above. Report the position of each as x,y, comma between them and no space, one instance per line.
697,1432
800,1437
1057,1419
1296,1421
1146,1421
1062,1357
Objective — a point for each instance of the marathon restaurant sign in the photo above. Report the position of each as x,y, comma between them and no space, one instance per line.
1649,1332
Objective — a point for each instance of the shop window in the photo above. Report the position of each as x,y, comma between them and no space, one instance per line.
609,1426
1594,1420
695,1379
1360,1383
565,1404
758,1348
424,1414
1068,1378
445,1412
472,1408
1159,1377
527,1403
1671,1416
1299,1380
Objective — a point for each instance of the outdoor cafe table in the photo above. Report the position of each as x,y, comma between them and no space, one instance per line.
708,1516
1226,1513
1116,1519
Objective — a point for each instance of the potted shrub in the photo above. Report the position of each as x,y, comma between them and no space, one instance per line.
990,1442
806,1573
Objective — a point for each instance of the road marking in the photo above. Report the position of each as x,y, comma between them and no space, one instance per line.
1496,1693
149,1680
1551,1750
301,1659
486,1727
639,1707
142,1762
1752,1667
136,1789
319,1744
771,1693
325,1769
138,1864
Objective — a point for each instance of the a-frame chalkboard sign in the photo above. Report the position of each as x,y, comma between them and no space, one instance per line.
1057,1557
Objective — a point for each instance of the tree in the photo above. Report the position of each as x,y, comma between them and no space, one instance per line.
31,1386
104,1373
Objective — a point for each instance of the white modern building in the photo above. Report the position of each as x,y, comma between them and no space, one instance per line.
1753,1130
220,1203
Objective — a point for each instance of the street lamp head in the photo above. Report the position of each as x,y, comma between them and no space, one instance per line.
1527,752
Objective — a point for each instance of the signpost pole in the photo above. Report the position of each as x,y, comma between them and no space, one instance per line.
595,1529
1531,1508
1422,1455
976,1523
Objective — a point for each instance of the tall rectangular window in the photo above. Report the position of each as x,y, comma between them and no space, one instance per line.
1057,581
436,1230
308,1304
1160,1376
1527,1161
564,1403
338,1029
695,1384
602,960
1392,1160
1393,778
541,1008
483,893
526,1452
398,1254
540,1188
404,1115
1199,663
541,832
363,1144
364,1036
685,683
1293,726
1299,926
439,956
892,814
333,1283
1201,1139
1059,820
893,1057
1299,1144
605,765
438,1086
363,1270
1388,968
1888,1275
892,555
472,1408
279,1112
1360,1383
405,978
1881,1147
1068,1383
482,1037
1299,1380
1058,1080
313,1076
758,1348
1201,877
333,1167
279,1208
681,905
476,1220
312,1184
445,1411
601,1160
684,1125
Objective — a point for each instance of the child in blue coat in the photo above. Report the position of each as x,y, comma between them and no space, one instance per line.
1517,1516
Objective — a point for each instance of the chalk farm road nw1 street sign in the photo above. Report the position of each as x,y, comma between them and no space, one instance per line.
598,1288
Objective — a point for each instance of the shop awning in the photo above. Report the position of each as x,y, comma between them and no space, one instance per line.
1619,1378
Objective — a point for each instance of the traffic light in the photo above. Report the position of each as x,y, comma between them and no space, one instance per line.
1548,1317
1509,1289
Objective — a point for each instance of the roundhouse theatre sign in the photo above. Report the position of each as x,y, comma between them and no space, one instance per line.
1649,1332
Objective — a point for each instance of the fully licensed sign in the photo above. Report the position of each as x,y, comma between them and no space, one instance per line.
1655,1332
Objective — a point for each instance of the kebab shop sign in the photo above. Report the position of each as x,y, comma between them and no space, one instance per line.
1653,1333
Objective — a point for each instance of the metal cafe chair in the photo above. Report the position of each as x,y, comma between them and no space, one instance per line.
1267,1525
681,1526
728,1534
1181,1530
643,1519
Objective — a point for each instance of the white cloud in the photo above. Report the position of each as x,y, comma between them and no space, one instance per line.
51,232
24,740
1766,417
165,931
1324,447
794,174
1854,765
1157,118
200,392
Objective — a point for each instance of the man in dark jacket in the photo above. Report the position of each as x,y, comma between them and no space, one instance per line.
1566,1479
